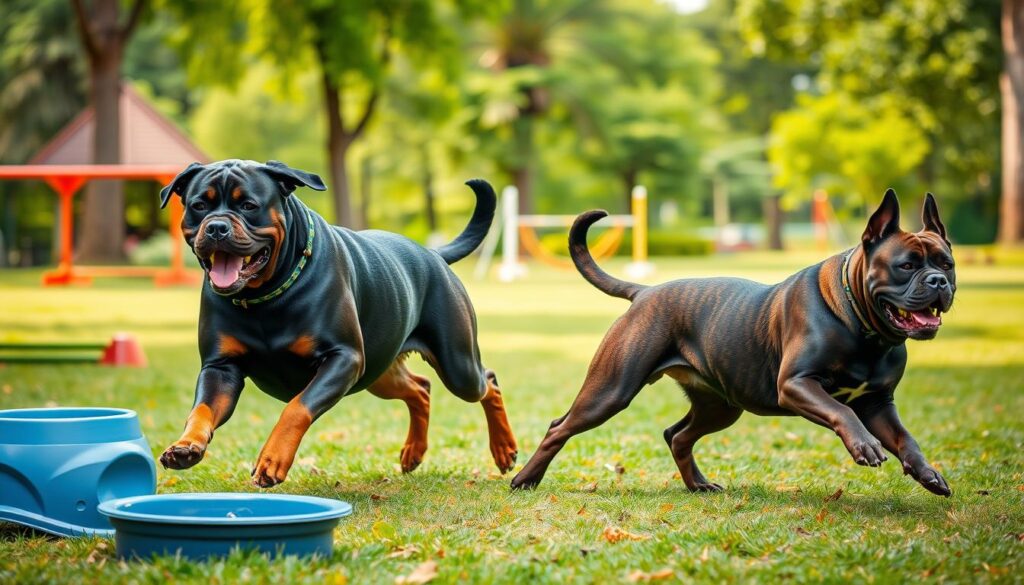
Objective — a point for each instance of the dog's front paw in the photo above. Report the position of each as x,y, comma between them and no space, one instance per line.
182,455
270,470
412,455
505,451
927,476
865,450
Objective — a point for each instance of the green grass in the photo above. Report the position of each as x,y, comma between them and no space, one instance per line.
961,397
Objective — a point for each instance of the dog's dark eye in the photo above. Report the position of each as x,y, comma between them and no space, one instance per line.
249,206
947,266
907,266
199,205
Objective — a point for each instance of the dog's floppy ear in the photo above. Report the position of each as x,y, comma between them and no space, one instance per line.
930,218
179,184
290,178
884,221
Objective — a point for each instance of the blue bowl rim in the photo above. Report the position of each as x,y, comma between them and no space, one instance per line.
98,413
331,509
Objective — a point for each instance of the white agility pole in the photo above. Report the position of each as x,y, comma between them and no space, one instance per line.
510,268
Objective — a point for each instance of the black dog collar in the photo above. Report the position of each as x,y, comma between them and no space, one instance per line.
868,330
306,253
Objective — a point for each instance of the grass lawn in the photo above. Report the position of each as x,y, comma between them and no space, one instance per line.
962,397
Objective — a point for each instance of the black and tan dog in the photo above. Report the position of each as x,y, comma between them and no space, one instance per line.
312,312
827,344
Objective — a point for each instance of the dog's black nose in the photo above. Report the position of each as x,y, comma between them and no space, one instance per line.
218,229
937,281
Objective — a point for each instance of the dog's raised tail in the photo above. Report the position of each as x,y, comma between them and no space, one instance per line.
585,263
471,237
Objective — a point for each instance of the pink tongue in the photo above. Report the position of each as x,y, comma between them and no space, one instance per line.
925,318
224,271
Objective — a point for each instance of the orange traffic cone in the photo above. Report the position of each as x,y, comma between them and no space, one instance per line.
123,350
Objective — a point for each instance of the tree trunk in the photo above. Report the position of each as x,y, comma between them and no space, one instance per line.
428,189
102,234
773,222
338,143
365,190
522,172
1011,212
720,201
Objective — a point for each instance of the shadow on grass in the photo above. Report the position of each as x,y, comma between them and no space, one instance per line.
10,532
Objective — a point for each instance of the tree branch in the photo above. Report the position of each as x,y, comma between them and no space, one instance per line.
133,20
88,39
371,103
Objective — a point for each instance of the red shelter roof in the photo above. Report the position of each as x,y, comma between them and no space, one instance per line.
147,138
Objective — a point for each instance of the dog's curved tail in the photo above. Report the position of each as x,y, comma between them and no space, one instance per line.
471,237
585,263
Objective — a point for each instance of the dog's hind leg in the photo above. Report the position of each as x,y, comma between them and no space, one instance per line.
398,383
450,346
708,414
615,377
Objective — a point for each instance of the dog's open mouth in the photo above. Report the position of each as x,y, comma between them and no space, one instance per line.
926,319
226,269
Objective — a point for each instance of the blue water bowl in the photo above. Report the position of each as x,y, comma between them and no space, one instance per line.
199,526
58,464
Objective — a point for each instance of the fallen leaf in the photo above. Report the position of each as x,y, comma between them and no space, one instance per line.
787,488
425,573
377,497
403,552
666,507
553,498
582,511
615,534
821,514
835,495
642,577
590,487
705,554
803,532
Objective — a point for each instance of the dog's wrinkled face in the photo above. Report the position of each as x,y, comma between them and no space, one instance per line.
910,276
235,218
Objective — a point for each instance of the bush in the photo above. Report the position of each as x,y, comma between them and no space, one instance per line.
659,243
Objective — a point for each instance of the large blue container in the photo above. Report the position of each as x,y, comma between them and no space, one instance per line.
199,526
58,464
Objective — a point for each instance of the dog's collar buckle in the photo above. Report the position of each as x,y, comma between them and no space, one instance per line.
307,253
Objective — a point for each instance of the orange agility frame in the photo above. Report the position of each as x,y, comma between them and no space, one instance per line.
66,180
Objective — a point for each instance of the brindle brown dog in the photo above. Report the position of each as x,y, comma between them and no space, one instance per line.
312,312
827,344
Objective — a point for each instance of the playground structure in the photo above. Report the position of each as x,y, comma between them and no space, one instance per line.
123,350
67,180
520,230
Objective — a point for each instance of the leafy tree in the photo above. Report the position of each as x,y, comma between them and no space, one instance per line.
104,35
844,146
41,73
350,44
652,112
935,62
531,53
